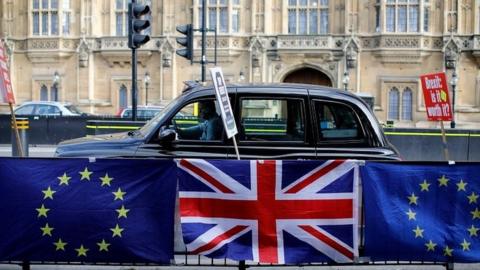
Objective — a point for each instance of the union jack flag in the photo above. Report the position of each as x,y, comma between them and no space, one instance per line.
270,211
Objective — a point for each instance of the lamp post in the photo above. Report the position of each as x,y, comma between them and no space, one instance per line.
146,80
55,80
451,58
453,82
350,63
241,76
346,80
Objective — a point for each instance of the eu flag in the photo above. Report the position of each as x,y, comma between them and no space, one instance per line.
83,210
428,212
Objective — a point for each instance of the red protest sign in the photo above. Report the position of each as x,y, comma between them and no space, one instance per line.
5,84
435,92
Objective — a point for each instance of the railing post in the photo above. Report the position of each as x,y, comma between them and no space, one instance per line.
242,265
22,149
26,265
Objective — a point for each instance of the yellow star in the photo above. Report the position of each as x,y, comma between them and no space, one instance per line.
461,185
430,246
119,194
48,193
442,181
473,231
424,186
475,214
60,245
106,180
64,179
447,251
412,199
117,231
46,230
122,212
85,174
472,198
411,214
82,251
465,245
103,246
418,232
42,211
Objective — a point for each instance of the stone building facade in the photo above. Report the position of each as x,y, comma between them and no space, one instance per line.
376,47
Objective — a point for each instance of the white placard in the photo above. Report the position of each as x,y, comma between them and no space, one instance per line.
222,98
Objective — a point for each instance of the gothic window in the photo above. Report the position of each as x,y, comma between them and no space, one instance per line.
402,15
49,15
122,97
121,17
393,104
407,104
66,17
45,17
426,16
308,17
43,93
54,93
400,104
224,15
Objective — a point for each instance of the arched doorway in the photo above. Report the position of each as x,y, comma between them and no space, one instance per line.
308,75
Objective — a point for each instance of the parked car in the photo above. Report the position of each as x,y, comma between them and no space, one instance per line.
143,112
49,108
275,121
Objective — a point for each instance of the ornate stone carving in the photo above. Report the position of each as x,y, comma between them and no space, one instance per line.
167,59
452,50
437,43
9,47
303,42
83,53
43,44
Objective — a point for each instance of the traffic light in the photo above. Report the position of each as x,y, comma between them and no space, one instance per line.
136,25
186,41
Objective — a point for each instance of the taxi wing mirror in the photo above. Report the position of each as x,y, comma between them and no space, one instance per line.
166,135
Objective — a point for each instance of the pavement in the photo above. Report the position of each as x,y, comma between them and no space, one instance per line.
33,150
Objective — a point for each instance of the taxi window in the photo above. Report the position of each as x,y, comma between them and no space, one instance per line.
337,121
47,110
25,110
199,121
272,120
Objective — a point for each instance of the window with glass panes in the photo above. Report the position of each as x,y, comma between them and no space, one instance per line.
393,104
122,97
121,17
308,17
402,15
45,17
426,16
407,101
66,17
400,104
221,14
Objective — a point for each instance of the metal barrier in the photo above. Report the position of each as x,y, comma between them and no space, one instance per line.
195,261
98,127
22,127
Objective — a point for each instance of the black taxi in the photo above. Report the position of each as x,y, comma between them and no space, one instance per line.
274,121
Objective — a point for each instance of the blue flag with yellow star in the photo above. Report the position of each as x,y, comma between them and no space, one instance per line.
426,212
81,210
